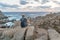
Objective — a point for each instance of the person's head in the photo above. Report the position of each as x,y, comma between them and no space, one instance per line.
23,15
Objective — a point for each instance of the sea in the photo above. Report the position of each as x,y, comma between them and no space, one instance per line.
17,15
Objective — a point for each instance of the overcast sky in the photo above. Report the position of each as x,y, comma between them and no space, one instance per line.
29,5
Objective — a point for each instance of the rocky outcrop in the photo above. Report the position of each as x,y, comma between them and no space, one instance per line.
19,35
16,33
50,20
29,34
45,28
40,34
2,16
7,34
53,34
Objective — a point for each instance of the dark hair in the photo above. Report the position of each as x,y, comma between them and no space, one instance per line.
23,15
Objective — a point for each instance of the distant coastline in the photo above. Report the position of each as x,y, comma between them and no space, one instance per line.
29,14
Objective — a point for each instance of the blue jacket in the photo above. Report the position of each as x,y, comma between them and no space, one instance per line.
23,22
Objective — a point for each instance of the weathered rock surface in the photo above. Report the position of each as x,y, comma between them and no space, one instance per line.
11,34
40,34
19,35
53,34
2,17
8,34
50,20
29,34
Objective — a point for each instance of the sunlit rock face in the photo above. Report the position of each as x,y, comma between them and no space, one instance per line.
29,34
2,16
45,27
40,34
53,34
50,20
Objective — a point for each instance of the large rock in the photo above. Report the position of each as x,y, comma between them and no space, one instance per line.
50,20
11,34
8,34
40,34
29,34
16,33
19,35
53,34
17,24
1,32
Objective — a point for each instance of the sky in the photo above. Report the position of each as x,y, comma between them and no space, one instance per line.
30,5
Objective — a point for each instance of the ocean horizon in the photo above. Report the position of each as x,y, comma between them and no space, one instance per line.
17,15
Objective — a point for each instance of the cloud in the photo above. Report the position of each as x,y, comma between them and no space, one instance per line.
57,8
42,1
10,2
37,7
56,2
44,7
23,2
52,4
11,6
37,0
31,5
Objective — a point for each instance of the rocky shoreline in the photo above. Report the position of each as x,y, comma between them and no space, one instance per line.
49,21
42,28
